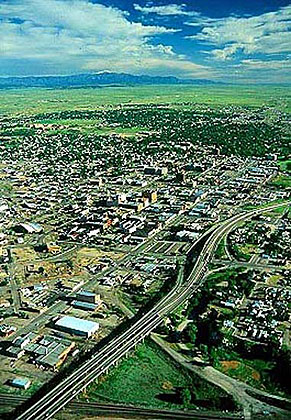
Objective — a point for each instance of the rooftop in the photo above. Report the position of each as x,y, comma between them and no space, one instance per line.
77,324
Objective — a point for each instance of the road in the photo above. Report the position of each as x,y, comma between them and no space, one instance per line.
48,405
255,266
251,403
13,286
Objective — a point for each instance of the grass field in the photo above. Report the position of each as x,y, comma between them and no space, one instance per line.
149,378
250,372
285,165
220,252
282,181
252,207
36,100
86,126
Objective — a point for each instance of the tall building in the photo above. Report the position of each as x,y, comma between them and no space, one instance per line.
152,196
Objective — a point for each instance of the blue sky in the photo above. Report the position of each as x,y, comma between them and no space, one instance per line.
246,41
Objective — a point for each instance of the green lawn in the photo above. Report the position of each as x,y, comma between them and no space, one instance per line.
36,100
285,165
220,252
282,181
246,251
147,374
253,372
140,378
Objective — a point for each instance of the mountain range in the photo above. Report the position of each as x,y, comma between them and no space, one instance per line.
95,80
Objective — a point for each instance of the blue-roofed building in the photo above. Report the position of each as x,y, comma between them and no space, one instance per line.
86,306
21,383
85,296
77,326
29,227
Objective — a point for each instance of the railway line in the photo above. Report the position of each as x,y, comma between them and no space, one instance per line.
127,411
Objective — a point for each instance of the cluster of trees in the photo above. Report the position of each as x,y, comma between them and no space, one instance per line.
205,332
234,131
245,133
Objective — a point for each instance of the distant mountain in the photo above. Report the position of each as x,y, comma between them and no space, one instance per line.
95,80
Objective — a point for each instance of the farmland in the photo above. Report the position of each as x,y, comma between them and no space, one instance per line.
32,101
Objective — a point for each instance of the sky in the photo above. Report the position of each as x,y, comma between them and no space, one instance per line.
243,41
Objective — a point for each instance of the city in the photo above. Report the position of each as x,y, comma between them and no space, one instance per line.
91,239
145,210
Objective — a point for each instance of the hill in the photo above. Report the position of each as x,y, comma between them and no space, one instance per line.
95,80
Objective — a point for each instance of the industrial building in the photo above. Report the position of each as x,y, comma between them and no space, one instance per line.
77,326
30,227
85,306
15,352
21,383
153,170
50,351
6,330
152,196
85,296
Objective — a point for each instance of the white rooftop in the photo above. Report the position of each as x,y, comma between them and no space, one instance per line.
78,324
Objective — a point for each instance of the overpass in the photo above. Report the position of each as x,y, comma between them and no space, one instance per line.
99,363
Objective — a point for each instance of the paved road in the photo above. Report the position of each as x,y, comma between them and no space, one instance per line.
258,266
13,285
239,390
100,362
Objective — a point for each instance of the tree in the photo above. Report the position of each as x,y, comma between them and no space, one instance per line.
186,397
192,331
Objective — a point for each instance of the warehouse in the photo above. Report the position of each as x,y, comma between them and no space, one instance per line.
77,326
86,296
50,351
28,228
21,383
85,306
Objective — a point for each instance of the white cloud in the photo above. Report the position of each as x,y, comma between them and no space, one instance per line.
166,10
72,35
152,65
200,20
226,53
280,65
250,71
268,33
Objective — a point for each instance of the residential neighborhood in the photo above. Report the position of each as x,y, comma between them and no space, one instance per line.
94,228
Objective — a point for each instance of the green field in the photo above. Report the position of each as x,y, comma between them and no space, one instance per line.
36,100
220,252
252,207
149,378
282,181
285,165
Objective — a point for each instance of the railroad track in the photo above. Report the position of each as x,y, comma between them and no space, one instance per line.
87,408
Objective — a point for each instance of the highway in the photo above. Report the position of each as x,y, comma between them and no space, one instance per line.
99,363
256,266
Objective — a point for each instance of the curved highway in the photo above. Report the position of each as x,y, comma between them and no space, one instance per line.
100,362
